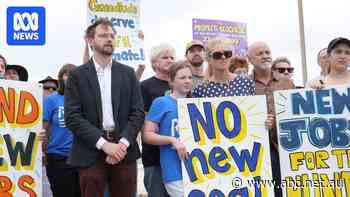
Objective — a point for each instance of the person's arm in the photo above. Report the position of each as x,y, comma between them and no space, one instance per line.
46,125
139,71
43,134
47,114
150,134
136,112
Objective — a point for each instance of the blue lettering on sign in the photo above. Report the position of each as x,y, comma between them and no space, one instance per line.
237,192
118,22
219,162
206,123
129,55
321,132
291,133
206,120
320,102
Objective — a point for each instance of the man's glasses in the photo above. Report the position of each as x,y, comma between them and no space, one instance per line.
50,88
219,55
283,70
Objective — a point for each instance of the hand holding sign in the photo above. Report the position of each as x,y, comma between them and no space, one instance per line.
180,148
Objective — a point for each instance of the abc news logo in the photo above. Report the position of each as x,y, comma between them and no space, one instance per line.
26,26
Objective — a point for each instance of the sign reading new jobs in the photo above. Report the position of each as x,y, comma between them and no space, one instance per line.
228,145
203,30
125,16
314,141
20,149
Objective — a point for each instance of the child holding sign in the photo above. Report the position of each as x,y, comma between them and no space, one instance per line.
161,128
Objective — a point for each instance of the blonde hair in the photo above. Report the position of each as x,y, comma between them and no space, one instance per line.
212,43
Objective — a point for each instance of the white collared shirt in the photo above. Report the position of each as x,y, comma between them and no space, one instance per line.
104,76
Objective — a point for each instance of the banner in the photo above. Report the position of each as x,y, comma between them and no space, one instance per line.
203,29
125,16
314,139
228,145
20,150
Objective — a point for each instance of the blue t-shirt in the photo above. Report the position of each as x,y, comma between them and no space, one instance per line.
164,111
60,140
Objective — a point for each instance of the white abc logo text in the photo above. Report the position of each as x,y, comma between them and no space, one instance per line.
19,18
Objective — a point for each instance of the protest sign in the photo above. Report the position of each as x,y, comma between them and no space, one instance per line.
314,139
20,150
125,17
204,29
228,145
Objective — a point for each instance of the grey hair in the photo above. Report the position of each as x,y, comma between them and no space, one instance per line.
157,50
279,60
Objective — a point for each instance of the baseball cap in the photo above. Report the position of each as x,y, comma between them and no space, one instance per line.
193,43
335,42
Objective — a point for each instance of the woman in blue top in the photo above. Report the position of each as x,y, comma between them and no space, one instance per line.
64,179
161,128
220,82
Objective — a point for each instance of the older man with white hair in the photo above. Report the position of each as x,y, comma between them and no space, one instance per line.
162,56
259,55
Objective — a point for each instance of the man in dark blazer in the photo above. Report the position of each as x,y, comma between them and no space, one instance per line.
104,110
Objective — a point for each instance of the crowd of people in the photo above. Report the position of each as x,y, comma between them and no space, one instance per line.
94,113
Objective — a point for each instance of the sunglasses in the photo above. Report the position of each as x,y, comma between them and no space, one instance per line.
283,70
50,88
218,55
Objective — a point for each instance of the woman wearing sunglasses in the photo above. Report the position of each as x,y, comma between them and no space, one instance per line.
220,82
161,129
281,69
63,178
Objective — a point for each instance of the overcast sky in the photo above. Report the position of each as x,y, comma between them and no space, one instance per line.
272,21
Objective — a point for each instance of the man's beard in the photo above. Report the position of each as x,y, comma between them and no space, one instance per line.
104,49
264,66
196,63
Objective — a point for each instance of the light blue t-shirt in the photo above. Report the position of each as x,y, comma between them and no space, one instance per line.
164,111
60,140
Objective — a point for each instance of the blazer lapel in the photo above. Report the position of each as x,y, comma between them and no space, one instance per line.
95,88
116,86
